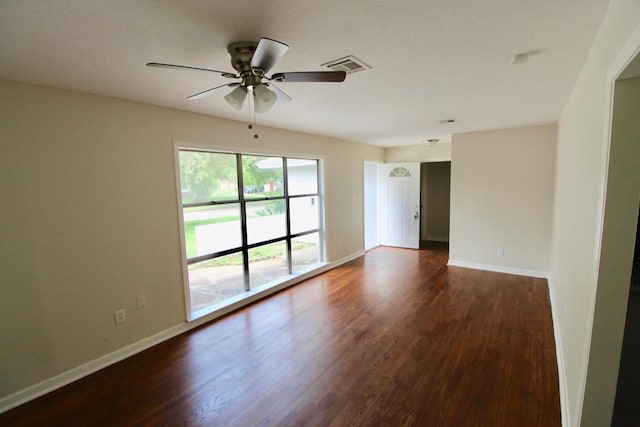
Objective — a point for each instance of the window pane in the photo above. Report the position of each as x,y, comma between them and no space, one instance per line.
262,176
304,214
399,172
267,263
208,176
209,229
215,280
265,220
305,251
302,176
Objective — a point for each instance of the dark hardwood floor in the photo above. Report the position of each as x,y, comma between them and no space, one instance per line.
394,338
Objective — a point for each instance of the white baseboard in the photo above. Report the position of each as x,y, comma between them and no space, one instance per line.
36,390
346,259
562,376
498,268
74,374
370,244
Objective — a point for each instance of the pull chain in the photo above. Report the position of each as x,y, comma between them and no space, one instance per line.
253,125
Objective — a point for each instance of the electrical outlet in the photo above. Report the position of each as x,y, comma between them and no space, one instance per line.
500,252
120,316
140,302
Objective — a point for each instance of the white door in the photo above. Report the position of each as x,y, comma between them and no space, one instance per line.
400,205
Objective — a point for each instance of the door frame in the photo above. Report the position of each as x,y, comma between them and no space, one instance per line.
608,359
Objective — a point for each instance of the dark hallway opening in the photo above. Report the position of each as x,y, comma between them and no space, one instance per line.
627,406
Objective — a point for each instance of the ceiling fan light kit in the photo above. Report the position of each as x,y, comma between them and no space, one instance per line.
252,61
264,98
236,97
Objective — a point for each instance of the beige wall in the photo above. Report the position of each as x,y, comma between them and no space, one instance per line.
582,135
418,153
502,196
89,220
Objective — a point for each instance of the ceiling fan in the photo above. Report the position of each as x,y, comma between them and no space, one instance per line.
252,61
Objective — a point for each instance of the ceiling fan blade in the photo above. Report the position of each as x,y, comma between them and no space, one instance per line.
282,97
185,67
310,76
267,53
209,91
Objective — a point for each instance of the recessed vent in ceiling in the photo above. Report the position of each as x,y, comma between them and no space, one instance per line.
348,64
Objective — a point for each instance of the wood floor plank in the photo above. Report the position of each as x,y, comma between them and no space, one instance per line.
393,338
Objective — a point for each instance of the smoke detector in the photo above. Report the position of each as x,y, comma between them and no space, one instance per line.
348,64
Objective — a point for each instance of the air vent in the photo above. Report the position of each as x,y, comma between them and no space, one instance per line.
348,64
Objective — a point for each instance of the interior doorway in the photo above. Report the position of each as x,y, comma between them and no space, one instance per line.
435,201
618,259
627,405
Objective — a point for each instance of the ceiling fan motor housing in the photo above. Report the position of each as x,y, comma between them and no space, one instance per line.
241,54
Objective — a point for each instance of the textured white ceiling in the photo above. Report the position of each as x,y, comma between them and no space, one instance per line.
430,59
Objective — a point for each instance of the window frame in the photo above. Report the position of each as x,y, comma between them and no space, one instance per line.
245,247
